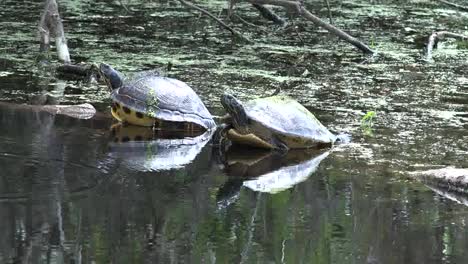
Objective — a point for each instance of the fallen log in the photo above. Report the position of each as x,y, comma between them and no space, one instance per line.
449,178
80,111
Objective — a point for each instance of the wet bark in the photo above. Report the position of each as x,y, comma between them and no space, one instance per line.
51,25
297,6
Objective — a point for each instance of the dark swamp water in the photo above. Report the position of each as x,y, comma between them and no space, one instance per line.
69,194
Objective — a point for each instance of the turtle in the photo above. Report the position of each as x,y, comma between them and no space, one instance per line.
274,122
151,100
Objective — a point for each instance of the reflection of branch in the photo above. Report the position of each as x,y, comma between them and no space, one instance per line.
233,31
251,229
464,8
316,20
15,198
436,36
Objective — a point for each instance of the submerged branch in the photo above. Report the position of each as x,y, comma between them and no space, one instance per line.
224,25
437,36
316,20
464,8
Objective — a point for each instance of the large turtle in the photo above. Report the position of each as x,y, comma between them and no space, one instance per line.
276,122
148,99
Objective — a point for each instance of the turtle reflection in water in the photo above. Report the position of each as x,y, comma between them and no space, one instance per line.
287,176
148,99
144,149
276,122
266,171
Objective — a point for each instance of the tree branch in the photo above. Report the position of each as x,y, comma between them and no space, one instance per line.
464,8
233,31
311,17
81,70
330,17
269,14
437,36
51,24
248,23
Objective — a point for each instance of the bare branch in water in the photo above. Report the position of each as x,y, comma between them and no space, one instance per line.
81,70
248,23
464,8
224,25
51,25
122,4
437,36
330,17
297,6
269,14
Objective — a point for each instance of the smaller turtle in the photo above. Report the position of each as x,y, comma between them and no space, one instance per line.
148,99
275,122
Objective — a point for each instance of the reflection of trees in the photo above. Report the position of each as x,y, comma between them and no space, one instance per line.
62,197
371,220
37,177
335,218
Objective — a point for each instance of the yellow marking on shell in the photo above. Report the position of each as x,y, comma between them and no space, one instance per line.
131,118
249,139
147,121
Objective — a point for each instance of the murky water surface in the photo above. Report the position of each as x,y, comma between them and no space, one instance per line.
69,193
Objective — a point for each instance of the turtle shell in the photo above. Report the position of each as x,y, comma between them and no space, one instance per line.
162,98
288,120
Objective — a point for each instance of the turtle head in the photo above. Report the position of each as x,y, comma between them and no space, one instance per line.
112,77
237,112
